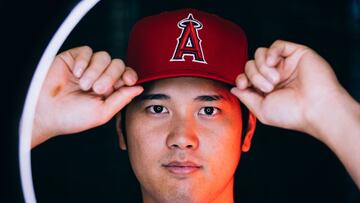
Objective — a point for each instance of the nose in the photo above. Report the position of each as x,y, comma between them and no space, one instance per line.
183,135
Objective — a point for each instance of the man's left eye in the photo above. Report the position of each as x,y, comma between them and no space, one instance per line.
209,111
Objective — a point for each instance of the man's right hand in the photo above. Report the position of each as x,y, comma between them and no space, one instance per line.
82,90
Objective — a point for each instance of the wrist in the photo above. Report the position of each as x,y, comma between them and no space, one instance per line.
333,117
40,133
339,129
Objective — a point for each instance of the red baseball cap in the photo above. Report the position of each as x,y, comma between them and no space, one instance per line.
187,42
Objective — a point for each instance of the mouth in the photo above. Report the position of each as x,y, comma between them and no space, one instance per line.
182,168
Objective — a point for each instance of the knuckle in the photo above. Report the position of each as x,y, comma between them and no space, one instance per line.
305,48
119,64
278,41
238,78
82,60
130,71
248,65
247,69
103,56
259,50
65,55
241,81
86,49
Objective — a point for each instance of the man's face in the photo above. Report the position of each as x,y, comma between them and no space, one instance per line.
183,137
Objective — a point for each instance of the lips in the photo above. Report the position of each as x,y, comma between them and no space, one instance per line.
182,168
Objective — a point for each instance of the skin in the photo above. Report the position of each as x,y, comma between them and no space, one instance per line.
181,131
290,86
84,90
287,85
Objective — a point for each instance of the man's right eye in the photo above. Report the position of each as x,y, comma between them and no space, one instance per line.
157,109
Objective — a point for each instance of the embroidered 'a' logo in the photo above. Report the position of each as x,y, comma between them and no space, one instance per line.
189,42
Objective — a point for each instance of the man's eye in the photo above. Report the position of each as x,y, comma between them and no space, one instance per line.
157,109
209,111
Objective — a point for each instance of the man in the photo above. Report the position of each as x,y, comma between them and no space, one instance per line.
183,119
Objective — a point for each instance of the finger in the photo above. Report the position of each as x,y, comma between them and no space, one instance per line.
98,64
252,100
77,59
118,100
242,82
119,84
108,92
269,73
256,79
112,73
280,49
128,78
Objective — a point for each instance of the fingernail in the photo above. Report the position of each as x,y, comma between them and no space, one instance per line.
270,61
274,76
131,80
77,70
85,83
242,83
99,87
266,87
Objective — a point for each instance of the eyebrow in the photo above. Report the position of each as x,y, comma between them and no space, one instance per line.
209,98
167,97
155,97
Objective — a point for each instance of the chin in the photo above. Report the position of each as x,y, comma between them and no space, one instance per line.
184,198
178,194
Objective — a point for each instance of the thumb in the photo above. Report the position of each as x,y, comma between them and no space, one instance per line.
251,99
118,99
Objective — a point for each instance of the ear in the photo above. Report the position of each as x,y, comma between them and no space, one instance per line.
249,132
119,130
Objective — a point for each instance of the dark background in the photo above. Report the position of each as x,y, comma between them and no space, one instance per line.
282,166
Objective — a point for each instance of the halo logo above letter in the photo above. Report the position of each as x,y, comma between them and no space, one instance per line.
189,42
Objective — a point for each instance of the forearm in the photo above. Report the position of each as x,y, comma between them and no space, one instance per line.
338,126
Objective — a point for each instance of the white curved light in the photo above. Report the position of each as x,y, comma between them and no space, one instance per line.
27,118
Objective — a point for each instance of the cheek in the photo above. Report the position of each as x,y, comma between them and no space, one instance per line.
145,133
219,134
145,140
221,142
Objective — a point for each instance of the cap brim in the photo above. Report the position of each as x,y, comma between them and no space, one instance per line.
184,73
